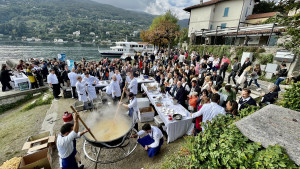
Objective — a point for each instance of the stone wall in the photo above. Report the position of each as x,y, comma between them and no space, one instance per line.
12,98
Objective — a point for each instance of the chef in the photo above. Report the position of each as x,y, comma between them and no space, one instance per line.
133,85
80,88
66,144
53,83
133,109
115,88
73,79
90,82
153,141
118,75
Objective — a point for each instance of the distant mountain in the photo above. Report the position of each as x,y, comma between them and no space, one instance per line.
48,19
184,23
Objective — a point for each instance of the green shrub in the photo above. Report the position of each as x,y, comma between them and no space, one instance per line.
291,98
261,50
38,102
6,107
215,50
264,59
222,145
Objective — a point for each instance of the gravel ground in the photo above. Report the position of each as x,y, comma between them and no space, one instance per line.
137,160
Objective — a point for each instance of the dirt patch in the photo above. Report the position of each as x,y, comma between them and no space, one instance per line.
15,128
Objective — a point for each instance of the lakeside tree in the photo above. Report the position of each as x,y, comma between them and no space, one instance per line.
163,30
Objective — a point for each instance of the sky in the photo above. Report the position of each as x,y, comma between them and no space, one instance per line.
154,7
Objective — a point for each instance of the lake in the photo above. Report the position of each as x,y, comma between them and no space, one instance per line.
26,50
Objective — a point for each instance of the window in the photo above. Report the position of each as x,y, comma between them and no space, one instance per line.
226,12
223,25
211,27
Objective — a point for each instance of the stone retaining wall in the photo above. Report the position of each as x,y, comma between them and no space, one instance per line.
12,98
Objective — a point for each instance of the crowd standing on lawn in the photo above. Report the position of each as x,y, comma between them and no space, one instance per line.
198,84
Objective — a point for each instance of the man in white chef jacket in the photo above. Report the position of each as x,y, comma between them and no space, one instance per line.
118,76
53,83
81,90
90,82
73,80
153,141
115,89
133,85
66,144
133,109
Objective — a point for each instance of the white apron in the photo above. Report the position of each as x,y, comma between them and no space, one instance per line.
91,90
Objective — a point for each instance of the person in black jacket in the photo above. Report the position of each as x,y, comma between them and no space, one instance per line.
5,78
246,100
217,79
65,76
235,68
270,97
179,94
244,66
282,74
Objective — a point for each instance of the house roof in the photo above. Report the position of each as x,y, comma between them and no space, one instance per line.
188,9
211,2
262,15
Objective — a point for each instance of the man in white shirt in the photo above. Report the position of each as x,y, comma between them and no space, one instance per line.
90,82
133,109
115,89
153,141
53,83
133,85
73,80
181,58
66,144
211,110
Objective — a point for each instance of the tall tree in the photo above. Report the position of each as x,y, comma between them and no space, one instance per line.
163,30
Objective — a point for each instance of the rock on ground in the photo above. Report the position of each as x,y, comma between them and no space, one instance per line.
274,125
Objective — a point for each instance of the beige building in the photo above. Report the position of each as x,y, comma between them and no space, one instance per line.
218,14
257,19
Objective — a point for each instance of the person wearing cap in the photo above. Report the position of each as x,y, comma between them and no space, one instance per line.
53,83
153,141
133,108
66,144
90,82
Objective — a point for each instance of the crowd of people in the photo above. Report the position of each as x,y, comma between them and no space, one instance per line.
192,82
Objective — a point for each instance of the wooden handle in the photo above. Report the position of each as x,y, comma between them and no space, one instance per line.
83,123
121,99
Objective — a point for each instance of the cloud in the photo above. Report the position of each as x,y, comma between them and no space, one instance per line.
154,7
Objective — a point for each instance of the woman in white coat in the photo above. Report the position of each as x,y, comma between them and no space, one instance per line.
80,88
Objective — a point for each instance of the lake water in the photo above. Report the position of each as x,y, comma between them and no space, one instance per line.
26,50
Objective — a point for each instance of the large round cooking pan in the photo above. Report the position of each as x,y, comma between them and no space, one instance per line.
112,143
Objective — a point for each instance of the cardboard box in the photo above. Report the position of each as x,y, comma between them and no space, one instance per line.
143,102
40,159
146,114
39,136
35,143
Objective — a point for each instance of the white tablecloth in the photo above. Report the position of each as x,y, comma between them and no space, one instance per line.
175,129
142,80
103,83
20,79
